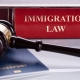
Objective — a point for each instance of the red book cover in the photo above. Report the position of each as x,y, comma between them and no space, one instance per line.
47,22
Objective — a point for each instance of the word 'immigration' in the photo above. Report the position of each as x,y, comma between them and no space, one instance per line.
52,18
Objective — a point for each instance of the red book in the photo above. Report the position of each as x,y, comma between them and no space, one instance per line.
6,14
47,22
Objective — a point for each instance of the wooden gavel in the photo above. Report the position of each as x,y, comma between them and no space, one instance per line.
8,38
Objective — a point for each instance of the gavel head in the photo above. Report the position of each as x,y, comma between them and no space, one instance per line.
6,31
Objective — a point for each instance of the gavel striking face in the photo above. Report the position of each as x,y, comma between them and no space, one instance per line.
6,31
9,39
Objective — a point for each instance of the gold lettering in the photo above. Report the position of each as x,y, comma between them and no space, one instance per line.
50,18
7,67
63,19
25,18
73,18
77,18
45,18
39,18
17,71
10,66
68,18
55,29
15,66
61,28
30,18
56,18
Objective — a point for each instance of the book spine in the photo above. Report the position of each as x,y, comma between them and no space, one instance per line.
6,14
47,22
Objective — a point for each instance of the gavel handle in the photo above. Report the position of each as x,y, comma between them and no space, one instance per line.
18,42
